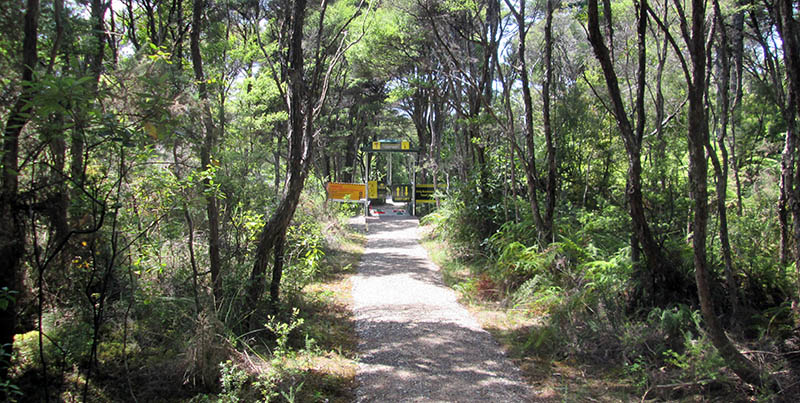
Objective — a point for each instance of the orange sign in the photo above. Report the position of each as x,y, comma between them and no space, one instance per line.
346,192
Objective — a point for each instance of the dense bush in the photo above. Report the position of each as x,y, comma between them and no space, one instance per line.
581,288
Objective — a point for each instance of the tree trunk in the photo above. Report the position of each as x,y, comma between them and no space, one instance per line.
659,276
550,186
300,148
209,139
791,52
786,185
721,167
277,270
738,60
531,173
698,176
12,230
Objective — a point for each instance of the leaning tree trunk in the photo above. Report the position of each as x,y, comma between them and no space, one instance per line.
300,148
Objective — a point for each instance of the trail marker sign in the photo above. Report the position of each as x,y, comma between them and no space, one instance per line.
401,193
390,146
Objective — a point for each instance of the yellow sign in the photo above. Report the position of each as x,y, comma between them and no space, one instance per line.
352,192
372,189
424,192
400,193
376,145
404,145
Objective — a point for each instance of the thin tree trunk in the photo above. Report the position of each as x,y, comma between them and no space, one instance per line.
531,173
209,140
738,59
721,167
661,141
786,187
659,275
192,260
550,186
698,184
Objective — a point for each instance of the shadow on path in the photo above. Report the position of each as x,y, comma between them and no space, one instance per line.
416,342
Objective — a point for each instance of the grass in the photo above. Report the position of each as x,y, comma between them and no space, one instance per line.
552,378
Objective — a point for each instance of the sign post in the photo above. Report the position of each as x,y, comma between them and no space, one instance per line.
366,192
413,186
389,146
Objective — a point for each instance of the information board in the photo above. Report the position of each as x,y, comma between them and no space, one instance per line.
424,192
345,192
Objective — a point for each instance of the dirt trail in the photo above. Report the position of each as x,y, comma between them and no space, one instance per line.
416,342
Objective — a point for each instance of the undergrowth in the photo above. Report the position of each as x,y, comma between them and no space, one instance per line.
154,345
567,307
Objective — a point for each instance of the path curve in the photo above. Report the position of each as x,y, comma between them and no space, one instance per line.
416,342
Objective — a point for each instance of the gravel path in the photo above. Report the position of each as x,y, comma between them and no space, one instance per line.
416,342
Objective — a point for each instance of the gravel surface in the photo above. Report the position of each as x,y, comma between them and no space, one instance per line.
416,342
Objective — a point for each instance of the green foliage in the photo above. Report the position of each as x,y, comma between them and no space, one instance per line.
675,322
291,394
281,330
233,381
699,362
304,254
8,388
7,297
